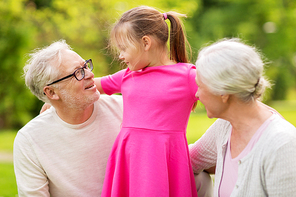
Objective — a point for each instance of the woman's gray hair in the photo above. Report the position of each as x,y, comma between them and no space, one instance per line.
42,67
232,67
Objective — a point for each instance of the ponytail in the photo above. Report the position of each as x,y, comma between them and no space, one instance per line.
178,40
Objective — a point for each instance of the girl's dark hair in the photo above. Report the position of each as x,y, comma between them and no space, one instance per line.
143,20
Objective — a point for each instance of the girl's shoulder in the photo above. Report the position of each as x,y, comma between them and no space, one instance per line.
188,65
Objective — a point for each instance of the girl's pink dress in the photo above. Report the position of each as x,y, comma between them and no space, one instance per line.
150,155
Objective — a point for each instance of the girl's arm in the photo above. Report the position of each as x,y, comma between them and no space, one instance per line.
99,85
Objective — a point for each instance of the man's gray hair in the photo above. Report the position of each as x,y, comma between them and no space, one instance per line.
232,67
42,67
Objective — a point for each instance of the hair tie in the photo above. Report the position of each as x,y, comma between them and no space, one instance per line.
165,16
257,83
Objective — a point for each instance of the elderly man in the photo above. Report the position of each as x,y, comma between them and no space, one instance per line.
64,151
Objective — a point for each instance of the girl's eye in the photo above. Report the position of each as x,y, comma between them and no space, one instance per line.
121,48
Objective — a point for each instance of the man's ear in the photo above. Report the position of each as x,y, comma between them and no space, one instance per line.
146,42
225,98
50,93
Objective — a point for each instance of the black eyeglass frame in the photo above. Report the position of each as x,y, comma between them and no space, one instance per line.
73,74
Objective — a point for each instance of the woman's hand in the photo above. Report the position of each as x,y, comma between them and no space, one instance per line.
45,107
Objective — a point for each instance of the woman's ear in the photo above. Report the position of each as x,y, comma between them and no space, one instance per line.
50,93
225,98
146,42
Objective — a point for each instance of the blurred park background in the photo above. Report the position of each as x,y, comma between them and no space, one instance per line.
270,25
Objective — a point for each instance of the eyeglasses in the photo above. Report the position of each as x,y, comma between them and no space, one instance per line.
79,73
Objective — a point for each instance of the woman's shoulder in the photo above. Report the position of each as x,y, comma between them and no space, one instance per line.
280,126
279,133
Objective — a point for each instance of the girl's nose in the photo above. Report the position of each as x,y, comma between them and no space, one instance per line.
121,56
196,94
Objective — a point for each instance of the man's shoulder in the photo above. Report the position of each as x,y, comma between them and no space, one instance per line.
109,106
110,100
42,120
106,97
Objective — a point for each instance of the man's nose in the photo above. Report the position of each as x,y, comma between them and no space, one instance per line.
88,73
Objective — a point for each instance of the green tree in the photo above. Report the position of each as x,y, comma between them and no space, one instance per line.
85,25
14,34
269,25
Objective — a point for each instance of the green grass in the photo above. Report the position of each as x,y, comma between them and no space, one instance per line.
6,140
198,124
7,180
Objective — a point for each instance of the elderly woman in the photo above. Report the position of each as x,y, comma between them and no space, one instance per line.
252,147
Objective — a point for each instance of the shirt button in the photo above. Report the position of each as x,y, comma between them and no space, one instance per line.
236,186
239,162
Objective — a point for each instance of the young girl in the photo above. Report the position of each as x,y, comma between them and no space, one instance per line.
150,155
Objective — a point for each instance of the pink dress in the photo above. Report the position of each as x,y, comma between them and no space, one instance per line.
150,155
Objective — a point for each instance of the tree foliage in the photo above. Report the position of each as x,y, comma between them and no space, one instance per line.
267,24
16,101
27,24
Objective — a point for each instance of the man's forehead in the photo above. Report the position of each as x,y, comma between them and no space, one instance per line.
71,59
68,54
